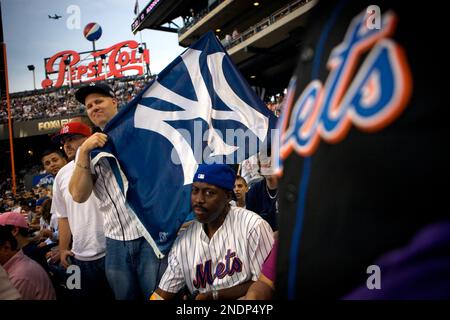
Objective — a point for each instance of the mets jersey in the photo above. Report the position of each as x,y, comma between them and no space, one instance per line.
233,255
364,147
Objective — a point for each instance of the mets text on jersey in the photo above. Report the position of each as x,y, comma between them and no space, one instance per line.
203,274
370,98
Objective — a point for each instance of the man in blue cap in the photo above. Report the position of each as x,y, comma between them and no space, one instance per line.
220,255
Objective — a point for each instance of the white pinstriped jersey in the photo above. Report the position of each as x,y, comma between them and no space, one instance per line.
233,255
120,222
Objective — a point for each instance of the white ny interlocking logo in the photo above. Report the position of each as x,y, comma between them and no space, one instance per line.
156,120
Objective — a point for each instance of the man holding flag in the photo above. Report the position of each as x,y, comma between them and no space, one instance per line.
150,151
131,264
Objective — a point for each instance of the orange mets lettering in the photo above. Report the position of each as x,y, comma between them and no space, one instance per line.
370,98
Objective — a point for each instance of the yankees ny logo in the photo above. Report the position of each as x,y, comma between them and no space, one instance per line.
157,120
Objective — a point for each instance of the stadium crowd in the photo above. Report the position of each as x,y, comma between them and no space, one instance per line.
362,206
39,104
43,103
31,213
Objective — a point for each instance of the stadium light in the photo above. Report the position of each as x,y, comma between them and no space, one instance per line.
31,68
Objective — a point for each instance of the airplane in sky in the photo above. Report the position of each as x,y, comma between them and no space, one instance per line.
56,17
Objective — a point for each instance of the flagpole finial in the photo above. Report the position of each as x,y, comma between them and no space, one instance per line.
136,8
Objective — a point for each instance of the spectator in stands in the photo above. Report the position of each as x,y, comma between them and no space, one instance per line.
226,42
240,190
38,221
42,191
233,240
49,231
53,161
9,203
16,224
133,268
81,221
7,289
26,208
29,278
235,35
249,170
16,205
35,105
262,198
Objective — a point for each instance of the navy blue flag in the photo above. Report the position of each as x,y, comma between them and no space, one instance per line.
198,110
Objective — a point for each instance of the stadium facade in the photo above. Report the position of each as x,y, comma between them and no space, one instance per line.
263,38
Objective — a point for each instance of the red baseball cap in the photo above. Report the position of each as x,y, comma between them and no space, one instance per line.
13,219
70,129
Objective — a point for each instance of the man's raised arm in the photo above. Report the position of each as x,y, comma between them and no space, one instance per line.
81,183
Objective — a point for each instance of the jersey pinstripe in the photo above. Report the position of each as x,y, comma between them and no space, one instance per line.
120,222
232,256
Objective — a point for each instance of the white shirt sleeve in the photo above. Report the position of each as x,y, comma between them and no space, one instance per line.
260,241
173,279
58,203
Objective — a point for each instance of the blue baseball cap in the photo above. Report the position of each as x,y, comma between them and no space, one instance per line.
40,201
219,175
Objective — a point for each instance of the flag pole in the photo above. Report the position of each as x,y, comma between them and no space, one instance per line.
11,137
95,60
136,12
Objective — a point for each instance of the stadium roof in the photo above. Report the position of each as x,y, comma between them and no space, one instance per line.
159,12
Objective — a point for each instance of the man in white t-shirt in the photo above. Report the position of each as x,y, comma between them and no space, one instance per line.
82,221
220,255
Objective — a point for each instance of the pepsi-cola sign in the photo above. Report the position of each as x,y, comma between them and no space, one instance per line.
118,59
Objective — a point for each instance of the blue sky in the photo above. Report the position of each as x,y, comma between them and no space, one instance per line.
31,36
